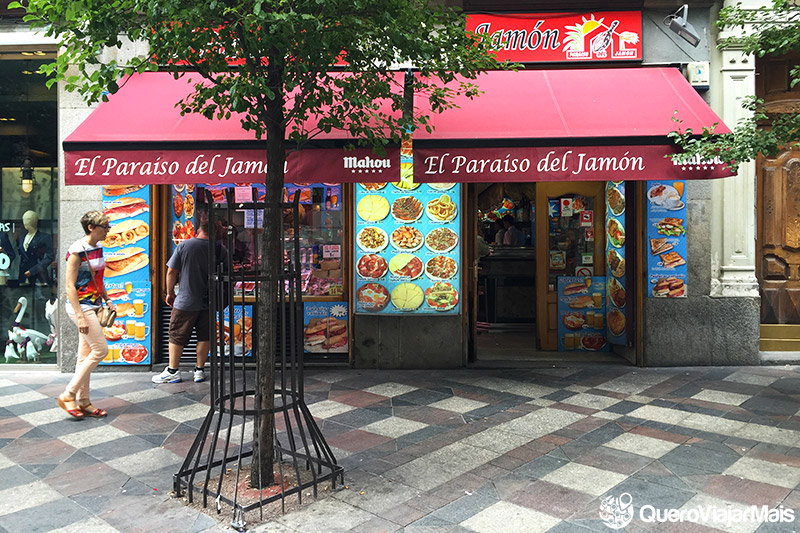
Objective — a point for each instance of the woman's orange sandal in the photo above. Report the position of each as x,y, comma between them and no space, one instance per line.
91,410
69,406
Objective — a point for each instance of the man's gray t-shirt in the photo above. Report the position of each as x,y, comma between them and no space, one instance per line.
190,259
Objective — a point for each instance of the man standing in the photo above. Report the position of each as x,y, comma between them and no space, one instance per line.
513,236
189,266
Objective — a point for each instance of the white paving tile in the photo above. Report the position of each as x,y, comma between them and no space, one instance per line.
509,518
584,478
711,512
145,395
659,414
145,461
712,424
530,390
47,416
186,412
394,427
27,496
772,435
541,422
766,472
92,436
592,401
325,516
607,416
93,524
641,445
496,440
541,402
458,404
751,379
634,382
21,397
717,396
390,389
328,408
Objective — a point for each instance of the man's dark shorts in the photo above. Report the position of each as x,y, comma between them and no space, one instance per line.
181,324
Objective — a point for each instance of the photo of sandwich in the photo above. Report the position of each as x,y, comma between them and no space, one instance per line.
119,190
125,261
670,226
126,232
670,287
582,302
125,207
575,288
323,334
672,259
660,245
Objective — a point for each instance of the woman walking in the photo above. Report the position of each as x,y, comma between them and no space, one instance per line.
85,291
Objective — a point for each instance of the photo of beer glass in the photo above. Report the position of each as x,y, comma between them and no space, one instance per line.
141,331
130,328
139,308
114,352
128,286
597,299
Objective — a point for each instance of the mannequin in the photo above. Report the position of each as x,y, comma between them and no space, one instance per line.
35,251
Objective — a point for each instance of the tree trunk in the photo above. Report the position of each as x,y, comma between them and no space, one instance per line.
271,266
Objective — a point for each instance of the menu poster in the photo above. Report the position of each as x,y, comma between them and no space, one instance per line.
666,239
242,339
581,313
325,327
407,248
182,213
130,337
615,262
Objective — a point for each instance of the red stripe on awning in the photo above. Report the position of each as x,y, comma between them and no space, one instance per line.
556,122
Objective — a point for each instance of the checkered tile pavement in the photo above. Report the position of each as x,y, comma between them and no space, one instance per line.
458,450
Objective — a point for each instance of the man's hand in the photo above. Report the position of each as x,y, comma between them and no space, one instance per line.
27,273
170,299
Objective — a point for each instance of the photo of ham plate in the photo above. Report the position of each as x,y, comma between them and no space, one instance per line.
323,334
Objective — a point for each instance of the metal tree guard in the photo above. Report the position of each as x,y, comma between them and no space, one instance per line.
235,400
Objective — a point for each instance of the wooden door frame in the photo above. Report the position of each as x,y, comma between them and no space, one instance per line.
544,298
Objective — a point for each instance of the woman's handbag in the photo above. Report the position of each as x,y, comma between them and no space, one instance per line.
105,315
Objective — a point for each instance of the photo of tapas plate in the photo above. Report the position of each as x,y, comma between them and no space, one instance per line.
616,233
441,240
372,239
133,353
407,297
407,238
373,208
406,182
115,331
616,292
179,187
593,342
406,209
372,297
665,196
616,201
441,267
177,204
372,266
616,263
441,296
616,322
441,186
442,209
406,266
574,320
377,186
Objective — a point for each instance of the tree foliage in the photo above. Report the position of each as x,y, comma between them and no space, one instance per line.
272,62
773,29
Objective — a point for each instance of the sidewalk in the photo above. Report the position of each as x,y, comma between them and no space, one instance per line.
466,450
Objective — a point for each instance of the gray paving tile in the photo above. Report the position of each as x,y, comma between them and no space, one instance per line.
540,467
14,476
468,505
115,449
46,517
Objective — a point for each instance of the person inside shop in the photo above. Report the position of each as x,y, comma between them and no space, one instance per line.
35,251
500,231
513,236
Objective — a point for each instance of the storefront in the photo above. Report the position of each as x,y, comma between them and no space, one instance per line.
578,157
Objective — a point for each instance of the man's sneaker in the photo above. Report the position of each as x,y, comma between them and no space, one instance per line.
199,375
167,377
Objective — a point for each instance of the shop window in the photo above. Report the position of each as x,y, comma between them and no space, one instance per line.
28,263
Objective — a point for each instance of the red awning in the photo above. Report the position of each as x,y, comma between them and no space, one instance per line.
139,136
577,124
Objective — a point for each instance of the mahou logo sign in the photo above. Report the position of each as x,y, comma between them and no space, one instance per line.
558,37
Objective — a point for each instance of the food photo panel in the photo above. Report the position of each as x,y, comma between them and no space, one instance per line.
130,337
616,264
407,248
666,239
581,314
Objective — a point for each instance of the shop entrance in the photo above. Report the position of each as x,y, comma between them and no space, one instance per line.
525,250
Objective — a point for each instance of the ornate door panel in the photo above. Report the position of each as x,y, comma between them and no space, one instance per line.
778,266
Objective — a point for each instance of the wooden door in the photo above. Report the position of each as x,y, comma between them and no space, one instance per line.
778,241
546,283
